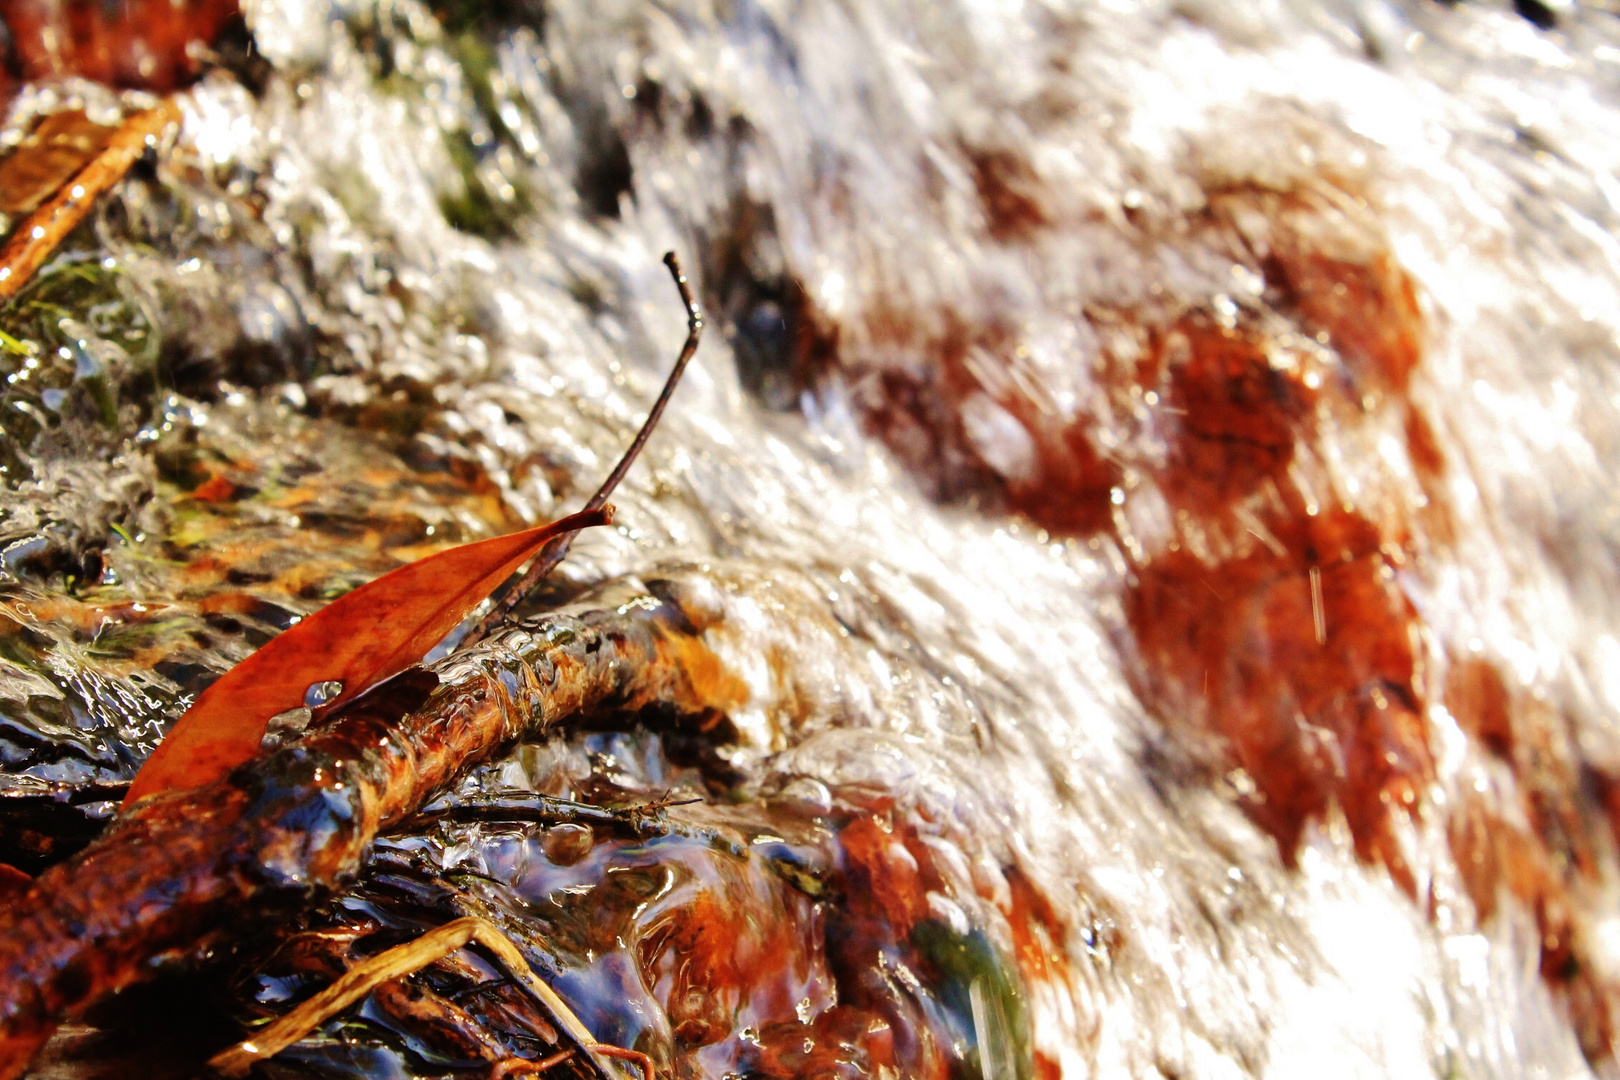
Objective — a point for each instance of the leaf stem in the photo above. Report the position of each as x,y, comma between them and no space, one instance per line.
555,551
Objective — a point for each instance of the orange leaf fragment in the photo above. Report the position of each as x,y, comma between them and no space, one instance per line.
13,883
360,639
215,489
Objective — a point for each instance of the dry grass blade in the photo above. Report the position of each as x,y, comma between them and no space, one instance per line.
407,959
42,231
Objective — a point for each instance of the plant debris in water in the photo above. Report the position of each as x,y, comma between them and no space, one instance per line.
724,938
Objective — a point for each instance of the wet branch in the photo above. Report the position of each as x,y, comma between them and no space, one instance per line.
181,874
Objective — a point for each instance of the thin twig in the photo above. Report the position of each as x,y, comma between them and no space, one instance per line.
478,989
38,236
1318,610
527,807
554,552
636,1057
188,870
515,1066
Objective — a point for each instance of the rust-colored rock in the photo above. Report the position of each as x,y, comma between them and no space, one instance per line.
1368,311
840,1044
146,44
1069,490
1008,193
13,883
884,878
1477,697
1302,660
1497,859
1327,263
1235,407
979,423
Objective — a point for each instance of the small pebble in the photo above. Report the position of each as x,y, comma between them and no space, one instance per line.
565,844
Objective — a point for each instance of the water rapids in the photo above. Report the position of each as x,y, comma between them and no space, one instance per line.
1151,477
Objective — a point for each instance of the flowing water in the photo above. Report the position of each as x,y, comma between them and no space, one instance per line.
1151,470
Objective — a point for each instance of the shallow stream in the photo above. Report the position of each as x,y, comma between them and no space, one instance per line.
1151,472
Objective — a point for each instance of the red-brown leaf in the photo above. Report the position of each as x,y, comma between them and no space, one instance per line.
13,883
360,639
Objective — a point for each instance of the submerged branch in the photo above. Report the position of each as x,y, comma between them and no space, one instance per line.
183,873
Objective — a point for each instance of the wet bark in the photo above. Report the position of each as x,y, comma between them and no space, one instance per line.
178,875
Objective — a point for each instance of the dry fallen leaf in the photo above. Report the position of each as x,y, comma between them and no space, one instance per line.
359,640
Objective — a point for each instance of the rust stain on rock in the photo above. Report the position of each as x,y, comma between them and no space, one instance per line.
142,44
1312,723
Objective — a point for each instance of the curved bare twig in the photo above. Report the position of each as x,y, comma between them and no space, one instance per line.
555,551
